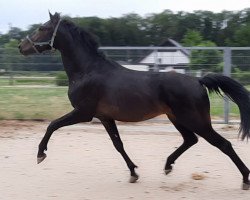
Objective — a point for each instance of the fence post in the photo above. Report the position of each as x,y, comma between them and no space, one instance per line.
227,72
11,78
156,67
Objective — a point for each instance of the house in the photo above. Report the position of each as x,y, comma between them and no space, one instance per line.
169,59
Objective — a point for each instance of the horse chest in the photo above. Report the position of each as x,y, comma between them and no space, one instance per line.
78,96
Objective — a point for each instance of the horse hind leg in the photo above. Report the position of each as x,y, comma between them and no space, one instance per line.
189,140
211,136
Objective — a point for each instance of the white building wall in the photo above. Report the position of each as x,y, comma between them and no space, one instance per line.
168,58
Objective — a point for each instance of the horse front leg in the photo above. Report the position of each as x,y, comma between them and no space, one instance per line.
112,130
74,117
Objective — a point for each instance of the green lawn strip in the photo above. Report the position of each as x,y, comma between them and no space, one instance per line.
52,102
33,103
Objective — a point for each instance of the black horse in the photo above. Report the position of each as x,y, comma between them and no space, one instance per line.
101,88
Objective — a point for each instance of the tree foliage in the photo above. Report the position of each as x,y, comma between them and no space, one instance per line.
202,59
224,28
227,28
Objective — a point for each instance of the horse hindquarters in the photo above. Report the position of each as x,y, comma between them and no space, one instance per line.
188,103
192,112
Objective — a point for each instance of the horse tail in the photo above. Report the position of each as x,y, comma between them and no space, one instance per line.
236,92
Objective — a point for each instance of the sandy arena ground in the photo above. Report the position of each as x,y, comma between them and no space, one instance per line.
82,164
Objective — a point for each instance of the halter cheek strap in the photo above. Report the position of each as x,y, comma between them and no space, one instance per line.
54,34
50,42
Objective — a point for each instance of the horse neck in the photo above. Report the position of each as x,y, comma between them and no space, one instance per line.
76,61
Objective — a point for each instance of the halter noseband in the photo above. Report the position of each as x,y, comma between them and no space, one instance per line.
50,42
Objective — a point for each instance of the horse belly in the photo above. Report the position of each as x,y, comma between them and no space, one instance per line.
132,112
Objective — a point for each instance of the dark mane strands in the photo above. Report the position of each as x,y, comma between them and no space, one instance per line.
84,37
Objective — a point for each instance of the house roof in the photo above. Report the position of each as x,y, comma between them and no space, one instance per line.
172,43
168,56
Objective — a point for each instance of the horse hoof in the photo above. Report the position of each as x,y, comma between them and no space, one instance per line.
167,171
133,179
246,186
41,158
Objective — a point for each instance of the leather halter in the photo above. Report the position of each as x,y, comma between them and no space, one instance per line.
49,42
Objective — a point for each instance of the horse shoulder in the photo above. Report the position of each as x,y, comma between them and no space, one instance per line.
84,91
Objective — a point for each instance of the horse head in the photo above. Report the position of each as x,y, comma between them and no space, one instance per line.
42,39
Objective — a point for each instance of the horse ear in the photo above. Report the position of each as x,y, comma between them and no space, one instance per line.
55,17
50,16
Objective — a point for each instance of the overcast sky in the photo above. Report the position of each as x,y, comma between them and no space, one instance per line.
22,13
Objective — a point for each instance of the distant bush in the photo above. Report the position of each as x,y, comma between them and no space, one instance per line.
62,79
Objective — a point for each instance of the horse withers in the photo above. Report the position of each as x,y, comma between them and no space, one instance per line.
101,88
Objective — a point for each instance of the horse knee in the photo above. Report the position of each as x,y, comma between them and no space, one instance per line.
52,127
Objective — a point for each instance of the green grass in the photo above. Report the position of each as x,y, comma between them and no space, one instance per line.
27,81
34,82
33,103
50,103
217,106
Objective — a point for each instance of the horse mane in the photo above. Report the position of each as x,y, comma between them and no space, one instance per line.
84,37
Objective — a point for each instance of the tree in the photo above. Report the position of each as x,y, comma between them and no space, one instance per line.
208,60
192,38
10,55
187,21
159,27
242,36
15,33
